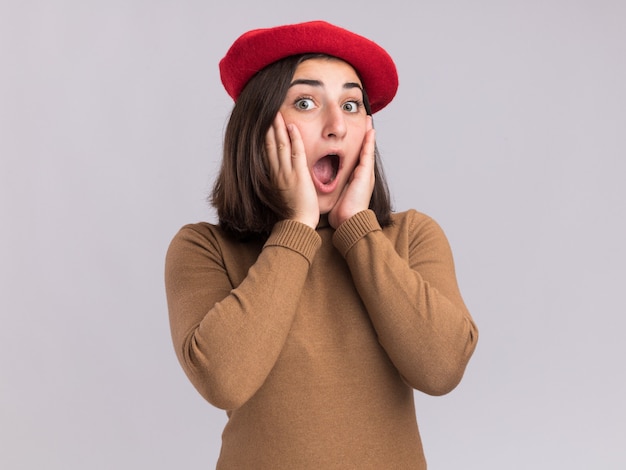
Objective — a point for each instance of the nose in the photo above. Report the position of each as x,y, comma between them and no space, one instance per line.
334,122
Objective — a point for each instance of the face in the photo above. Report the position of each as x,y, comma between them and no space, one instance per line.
325,102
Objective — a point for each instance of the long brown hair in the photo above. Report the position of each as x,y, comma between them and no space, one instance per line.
247,203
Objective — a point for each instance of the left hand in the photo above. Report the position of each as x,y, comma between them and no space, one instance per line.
357,193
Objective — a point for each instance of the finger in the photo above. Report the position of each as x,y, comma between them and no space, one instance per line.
364,171
298,154
368,150
283,143
276,143
271,148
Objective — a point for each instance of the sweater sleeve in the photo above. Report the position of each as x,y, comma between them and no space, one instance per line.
413,300
228,339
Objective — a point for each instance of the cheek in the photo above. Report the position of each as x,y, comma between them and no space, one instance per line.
356,138
351,163
308,140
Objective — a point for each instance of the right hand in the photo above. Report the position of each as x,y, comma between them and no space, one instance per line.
290,172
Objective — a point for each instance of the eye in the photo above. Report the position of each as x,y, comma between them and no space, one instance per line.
304,103
351,106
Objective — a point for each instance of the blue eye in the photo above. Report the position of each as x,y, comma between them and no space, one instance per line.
351,106
304,103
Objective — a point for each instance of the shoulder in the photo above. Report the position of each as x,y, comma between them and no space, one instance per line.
421,236
193,243
409,215
416,229
201,233
207,239
412,221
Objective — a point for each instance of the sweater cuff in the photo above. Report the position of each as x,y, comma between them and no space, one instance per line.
296,236
353,229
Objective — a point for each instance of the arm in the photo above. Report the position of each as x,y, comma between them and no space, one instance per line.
413,300
227,340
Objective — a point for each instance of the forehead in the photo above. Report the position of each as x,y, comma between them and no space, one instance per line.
326,68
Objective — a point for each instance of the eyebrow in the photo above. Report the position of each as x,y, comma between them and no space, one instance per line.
317,83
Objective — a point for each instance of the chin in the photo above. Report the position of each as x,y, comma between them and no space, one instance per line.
325,212
325,208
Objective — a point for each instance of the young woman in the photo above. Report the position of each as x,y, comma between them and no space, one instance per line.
311,311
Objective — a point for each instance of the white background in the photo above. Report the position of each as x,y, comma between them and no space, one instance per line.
509,128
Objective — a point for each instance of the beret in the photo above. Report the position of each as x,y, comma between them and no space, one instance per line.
256,49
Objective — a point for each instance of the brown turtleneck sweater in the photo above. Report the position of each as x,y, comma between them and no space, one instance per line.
314,339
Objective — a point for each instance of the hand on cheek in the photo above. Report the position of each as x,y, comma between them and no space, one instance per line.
357,193
289,170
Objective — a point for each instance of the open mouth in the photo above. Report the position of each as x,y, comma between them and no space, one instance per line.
326,168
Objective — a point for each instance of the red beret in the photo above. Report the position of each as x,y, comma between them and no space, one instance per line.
258,48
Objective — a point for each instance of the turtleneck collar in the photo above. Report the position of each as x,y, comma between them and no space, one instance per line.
323,223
